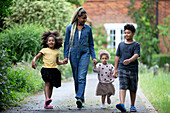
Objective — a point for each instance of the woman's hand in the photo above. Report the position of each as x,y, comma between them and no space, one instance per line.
95,61
94,65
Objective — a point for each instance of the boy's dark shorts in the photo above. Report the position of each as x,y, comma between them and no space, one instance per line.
128,80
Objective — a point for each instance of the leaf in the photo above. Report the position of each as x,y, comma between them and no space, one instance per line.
21,99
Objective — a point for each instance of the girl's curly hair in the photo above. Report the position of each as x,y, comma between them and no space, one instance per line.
54,34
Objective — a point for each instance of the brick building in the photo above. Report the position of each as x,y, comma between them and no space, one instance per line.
114,15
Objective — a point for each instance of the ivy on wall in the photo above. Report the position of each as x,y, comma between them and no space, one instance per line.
164,32
147,29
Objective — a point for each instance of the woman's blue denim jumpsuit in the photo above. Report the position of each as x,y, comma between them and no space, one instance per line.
80,56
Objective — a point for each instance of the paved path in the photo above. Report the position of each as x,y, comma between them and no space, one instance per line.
64,101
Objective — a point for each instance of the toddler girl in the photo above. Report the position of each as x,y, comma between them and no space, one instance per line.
50,74
105,72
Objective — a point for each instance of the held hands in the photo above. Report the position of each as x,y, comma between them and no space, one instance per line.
115,74
126,62
65,61
95,61
94,65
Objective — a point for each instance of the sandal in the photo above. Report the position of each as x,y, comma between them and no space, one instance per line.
79,103
121,107
47,101
108,100
48,107
133,109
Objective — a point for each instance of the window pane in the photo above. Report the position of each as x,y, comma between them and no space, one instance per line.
110,31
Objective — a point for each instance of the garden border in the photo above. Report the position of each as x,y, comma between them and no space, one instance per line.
149,107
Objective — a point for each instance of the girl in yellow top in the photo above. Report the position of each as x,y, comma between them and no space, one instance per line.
50,74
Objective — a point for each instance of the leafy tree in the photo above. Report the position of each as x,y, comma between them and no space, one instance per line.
164,32
4,10
76,2
54,14
147,29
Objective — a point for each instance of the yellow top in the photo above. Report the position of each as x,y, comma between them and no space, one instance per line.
49,57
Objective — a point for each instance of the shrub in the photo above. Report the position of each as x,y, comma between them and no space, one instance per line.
54,14
23,78
160,59
21,39
5,89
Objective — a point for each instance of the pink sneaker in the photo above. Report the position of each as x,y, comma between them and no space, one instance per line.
48,101
48,107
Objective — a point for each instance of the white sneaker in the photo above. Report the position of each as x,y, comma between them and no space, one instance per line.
103,106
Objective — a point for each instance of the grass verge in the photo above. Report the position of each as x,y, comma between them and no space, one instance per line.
157,89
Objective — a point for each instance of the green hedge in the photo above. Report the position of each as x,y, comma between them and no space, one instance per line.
22,39
160,59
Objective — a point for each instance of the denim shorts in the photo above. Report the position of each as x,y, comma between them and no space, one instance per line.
128,80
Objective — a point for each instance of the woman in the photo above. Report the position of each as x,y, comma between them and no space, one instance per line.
78,46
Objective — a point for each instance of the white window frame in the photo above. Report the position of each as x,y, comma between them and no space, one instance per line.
117,27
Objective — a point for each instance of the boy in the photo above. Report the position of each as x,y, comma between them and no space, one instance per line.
126,60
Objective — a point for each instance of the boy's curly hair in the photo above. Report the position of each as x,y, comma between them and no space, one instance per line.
130,27
54,34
